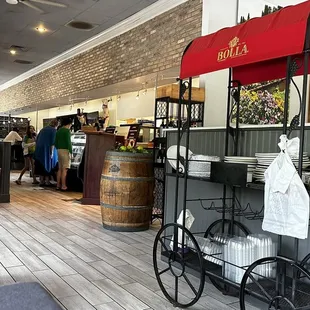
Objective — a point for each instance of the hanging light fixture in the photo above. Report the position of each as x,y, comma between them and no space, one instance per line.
118,97
145,90
3,122
29,119
14,120
138,96
21,120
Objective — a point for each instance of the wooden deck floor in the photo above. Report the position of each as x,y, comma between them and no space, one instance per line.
46,236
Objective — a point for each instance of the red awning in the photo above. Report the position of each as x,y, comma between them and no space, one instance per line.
256,50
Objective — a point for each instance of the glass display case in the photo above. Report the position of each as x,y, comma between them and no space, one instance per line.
78,141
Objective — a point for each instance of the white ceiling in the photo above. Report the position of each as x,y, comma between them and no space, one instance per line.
18,23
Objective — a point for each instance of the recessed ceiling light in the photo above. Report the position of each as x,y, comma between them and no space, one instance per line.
13,52
12,1
23,62
80,25
40,29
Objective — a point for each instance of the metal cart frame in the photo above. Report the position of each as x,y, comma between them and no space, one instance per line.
289,290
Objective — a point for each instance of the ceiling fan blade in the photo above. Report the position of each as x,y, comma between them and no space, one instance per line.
61,5
30,5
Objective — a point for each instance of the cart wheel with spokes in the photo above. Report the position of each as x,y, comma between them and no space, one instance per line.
305,263
178,265
270,280
239,230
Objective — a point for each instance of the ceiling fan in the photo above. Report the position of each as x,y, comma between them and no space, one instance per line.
32,6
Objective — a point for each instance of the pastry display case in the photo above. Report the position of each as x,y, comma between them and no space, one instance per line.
78,141
75,174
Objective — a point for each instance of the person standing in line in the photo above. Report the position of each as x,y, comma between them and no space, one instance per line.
64,150
28,145
45,156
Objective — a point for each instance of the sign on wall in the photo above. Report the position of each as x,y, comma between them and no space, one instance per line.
262,103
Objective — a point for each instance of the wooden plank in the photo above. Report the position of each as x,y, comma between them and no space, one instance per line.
148,297
5,277
55,284
57,265
22,274
76,302
121,296
87,290
83,254
36,247
86,270
59,250
8,259
31,261
112,273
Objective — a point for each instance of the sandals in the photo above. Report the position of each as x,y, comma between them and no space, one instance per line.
18,182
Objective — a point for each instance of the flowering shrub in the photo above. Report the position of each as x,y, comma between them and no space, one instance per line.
260,107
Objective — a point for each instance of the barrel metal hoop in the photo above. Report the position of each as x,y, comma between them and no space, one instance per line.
125,207
126,159
127,154
132,179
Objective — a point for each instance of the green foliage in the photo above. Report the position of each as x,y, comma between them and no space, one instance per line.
130,149
267,10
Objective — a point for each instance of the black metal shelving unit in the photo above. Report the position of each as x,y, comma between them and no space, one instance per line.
166,112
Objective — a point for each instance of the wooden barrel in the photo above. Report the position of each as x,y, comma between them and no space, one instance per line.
126,193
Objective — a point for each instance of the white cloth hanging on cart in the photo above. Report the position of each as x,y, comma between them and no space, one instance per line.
189,220
286,198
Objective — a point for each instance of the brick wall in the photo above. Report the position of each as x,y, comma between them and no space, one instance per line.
154,46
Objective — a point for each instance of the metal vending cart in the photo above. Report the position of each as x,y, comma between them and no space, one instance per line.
273,47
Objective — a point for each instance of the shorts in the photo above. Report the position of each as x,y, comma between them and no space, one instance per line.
28,156
64,159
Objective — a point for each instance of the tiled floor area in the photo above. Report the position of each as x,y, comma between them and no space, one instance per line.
47,237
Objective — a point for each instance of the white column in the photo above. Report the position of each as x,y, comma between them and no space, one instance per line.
217,14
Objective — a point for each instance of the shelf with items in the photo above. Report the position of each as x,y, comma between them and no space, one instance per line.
8,123
166,116
139,134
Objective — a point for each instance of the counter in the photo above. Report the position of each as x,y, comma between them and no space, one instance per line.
211,141
97,143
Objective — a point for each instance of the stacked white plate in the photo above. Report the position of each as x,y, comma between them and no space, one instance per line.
249,161
172,156
264,160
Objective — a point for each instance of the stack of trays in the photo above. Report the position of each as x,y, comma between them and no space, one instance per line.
264,160
249,161
200,165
